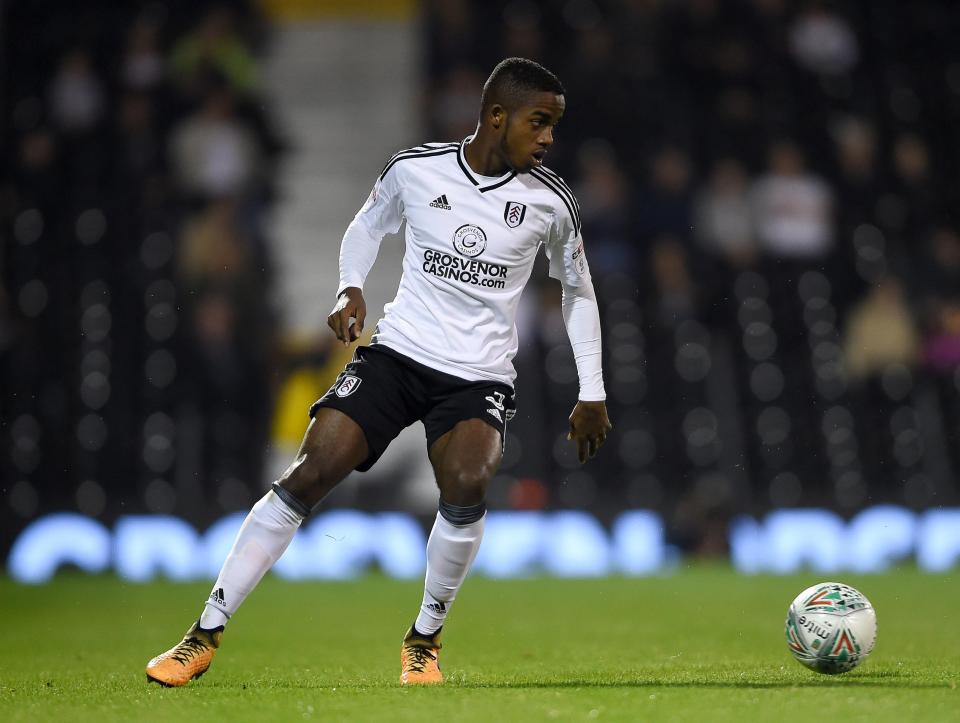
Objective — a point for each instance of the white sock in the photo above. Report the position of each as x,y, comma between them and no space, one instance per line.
450,552
261,541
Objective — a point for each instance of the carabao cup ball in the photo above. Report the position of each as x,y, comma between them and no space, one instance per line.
831,627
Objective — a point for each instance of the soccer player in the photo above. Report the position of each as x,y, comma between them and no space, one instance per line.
477,212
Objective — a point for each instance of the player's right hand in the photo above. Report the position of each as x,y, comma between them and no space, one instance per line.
350,305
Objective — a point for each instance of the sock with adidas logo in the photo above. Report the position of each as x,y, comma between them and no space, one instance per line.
450,552
262,539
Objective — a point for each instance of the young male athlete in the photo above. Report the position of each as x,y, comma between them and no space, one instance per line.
477,213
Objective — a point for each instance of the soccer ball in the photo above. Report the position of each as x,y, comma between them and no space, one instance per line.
831,627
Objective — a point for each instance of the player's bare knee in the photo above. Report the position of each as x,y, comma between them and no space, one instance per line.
309,478
462,486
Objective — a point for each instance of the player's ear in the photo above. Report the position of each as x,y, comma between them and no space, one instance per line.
498,115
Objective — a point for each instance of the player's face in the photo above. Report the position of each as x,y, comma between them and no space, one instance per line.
529,131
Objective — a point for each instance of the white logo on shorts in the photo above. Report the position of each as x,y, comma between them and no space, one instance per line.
348,385
497,400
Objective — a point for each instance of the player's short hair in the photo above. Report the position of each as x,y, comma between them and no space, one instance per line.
515,78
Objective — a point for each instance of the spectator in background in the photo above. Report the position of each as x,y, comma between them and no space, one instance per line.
858,183
691,38
940,273
8,330
140,150
595,52
213,152
938,295
76,94
732,124
768,30
941,351
142,67
522,31
215,252
723,223
822,41
228,342
596,46
642,22
452,26
914,186
792,208
453,110
664,206
880,333
37,177
604,196
676,293
228,387
214,48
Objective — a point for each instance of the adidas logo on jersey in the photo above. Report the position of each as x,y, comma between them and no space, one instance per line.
441,202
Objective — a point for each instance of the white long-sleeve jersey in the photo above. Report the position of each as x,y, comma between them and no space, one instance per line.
471,242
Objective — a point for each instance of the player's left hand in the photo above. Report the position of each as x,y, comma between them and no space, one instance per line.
589,427
350,307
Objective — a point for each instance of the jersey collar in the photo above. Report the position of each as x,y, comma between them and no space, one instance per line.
485,185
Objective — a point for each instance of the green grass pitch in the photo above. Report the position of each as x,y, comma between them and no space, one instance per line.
701,644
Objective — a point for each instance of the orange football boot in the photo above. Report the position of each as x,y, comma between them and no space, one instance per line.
418,659
186,660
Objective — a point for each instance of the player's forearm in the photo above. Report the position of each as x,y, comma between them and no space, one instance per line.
358,251
582,319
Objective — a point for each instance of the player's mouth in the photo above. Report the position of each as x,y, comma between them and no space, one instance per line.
538,157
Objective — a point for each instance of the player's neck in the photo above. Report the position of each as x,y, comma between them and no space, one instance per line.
482,157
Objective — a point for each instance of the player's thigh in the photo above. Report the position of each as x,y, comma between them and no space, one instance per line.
464,459
333,446
379,394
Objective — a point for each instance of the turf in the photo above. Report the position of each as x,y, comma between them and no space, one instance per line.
701,644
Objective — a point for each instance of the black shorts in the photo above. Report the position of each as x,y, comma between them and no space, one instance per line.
384,392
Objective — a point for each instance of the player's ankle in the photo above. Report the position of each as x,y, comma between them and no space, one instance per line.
211,619
419,634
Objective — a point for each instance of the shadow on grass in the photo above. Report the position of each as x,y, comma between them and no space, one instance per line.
715,684
876,680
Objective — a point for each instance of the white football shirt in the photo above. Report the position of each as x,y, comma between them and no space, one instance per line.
471,242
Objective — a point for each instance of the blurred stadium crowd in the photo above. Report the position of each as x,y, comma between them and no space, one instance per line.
135,323
768,192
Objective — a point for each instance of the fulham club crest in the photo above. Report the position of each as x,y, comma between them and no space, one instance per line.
513,213
348,385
